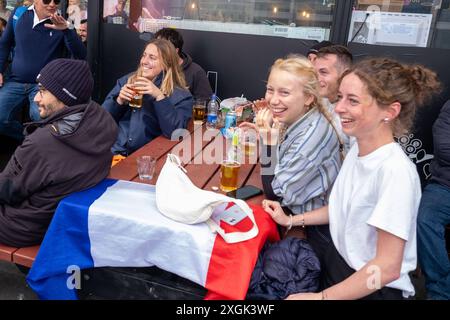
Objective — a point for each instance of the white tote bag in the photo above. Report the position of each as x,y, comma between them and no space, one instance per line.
180,200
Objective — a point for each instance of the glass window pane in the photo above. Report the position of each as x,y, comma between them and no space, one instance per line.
307,19
421,23
76,12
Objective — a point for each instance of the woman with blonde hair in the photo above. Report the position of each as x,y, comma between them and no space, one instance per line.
300,156
373,205
166,103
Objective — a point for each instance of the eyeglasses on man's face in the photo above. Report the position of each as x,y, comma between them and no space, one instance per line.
41,91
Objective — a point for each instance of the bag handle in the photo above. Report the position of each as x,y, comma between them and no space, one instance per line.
176,161
238,236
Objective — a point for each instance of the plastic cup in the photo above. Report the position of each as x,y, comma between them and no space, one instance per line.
146,167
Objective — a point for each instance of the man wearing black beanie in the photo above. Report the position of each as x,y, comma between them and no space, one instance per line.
67,151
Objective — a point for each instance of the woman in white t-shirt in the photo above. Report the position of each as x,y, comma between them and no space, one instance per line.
373,205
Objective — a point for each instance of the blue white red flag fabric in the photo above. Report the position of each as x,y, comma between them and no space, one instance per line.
117,224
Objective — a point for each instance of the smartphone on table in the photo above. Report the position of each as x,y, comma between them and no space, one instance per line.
245,192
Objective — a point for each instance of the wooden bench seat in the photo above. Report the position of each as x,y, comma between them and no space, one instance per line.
25,256
6,253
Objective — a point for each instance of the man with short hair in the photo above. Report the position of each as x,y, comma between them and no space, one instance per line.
67,151
331,62
195,75
83,31
34,36
312,52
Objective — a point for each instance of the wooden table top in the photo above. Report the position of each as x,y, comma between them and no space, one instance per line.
197,144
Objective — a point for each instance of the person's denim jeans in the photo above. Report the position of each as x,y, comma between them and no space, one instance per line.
13,97
434,215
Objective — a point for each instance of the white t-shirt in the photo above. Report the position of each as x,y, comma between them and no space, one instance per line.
380,190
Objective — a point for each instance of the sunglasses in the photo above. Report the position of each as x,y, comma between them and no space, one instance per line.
54,1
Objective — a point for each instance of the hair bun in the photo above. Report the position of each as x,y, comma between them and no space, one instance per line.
426,82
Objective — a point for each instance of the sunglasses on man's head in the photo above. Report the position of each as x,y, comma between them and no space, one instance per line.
48,1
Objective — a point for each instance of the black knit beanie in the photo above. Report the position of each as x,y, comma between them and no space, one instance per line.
69,80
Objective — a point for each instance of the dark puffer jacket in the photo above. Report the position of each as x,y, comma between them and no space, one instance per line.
283,268
65,153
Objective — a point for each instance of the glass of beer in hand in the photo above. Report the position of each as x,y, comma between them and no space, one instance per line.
199,111
136,100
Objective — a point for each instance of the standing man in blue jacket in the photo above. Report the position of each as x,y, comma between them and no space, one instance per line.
34,36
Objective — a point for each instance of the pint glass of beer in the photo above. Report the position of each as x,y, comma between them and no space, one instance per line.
199,111
249,142
229,174
136,100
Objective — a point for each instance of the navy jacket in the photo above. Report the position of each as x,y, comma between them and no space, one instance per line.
35,47
285,267
440,166
138,126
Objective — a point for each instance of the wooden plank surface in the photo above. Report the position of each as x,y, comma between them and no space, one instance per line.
6,252
205,164
255,180
158,148
25,256
199,154
189,150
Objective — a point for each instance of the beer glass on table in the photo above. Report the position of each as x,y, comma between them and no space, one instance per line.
199,111
229,174
249,142
229,169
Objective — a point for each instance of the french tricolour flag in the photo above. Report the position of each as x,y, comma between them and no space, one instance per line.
117,224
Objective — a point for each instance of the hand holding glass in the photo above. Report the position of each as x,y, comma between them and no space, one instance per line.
136,100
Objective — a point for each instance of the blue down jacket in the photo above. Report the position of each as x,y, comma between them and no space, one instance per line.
283,268
138,126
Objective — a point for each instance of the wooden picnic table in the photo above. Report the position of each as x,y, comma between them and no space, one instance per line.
202,174
199,143
196,145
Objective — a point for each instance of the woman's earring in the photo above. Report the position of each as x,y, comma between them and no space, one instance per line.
386,120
